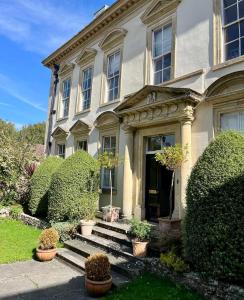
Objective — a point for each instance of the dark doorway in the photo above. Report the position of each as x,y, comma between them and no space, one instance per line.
158,181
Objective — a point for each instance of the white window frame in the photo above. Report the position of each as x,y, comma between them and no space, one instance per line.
105,172
64,99
154,59
113,54
61,147
83,91
224,28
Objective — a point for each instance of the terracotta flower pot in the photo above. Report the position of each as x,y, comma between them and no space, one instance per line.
139,248
86,227
46,255
98,288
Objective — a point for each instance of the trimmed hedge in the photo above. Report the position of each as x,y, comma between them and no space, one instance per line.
214,232
39,185
73,184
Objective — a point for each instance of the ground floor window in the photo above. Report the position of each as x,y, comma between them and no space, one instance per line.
61,150
108,145
232,121
82,145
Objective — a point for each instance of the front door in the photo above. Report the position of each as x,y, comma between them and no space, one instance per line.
158,180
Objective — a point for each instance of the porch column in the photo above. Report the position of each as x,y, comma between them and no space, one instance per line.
127,179
186,128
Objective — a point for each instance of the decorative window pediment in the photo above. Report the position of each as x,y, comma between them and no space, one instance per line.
107,119
65,69
226,85
113,39
158,9
80,128
59,133
86,56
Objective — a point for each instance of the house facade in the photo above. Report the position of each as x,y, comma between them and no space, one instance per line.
144,75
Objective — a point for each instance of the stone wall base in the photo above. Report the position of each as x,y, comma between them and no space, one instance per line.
29,220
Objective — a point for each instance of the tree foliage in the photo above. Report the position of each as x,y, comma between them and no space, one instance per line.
214,235
33,134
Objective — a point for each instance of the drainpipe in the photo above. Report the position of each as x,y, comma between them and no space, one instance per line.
52,111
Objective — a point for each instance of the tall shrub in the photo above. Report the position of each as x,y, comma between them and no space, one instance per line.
214,235
40,183
75,183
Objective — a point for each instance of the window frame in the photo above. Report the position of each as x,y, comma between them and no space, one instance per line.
81,141
81,91
61,154
65,99
113,54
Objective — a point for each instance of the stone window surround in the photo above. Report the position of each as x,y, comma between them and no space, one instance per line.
168,19
218,42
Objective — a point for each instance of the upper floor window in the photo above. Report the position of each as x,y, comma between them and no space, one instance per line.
65,97
61,150
113,76
162,54
232,121
86,88
233,26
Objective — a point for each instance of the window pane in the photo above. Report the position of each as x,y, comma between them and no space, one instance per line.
232,33
167,38
229,2
106,143
242,28
154,143
166,74
158,64
168,140
167,60
229,121
230,14
158,43
232,50
158,78
242,46
241,9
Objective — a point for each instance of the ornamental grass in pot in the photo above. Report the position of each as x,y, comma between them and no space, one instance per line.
47,248
98,280
88,209
140,232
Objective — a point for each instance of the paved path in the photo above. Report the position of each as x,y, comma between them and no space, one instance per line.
33,280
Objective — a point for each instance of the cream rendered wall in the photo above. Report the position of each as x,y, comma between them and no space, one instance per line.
194,52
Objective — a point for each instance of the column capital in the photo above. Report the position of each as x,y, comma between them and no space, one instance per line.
188,116
127,128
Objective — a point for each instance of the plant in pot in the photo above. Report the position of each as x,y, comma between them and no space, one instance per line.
140,231
171,158
109,161
47,248
98,280
88,214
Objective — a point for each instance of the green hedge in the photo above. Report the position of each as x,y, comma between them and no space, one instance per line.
39,185
214,235
74,183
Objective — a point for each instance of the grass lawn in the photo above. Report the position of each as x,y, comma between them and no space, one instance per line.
17,241
150,287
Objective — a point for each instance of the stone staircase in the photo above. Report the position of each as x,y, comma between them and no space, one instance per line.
108,238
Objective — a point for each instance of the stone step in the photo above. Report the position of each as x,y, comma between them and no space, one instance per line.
75,260
108,245
114,226
125,266
112,235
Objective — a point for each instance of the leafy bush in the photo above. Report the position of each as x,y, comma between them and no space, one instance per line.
76,182
39,185
16,211
65,230
173,262
48,239
140,230
214,234
97,267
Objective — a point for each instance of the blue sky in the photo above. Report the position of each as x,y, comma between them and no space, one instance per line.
29,31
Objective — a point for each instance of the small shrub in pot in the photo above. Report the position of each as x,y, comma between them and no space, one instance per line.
88,213
140,232
47,244
98,280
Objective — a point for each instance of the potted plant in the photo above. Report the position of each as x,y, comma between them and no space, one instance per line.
140,232
171,158
98,280
109,160
47,244
88,209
